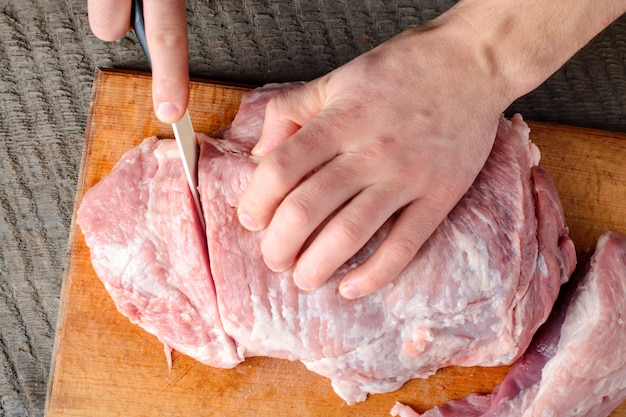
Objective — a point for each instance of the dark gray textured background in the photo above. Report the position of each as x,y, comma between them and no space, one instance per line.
47,61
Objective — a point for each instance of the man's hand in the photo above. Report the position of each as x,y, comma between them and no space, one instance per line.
405,127
166,33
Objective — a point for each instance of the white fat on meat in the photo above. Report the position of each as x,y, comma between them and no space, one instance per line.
576,363
474,294
149,251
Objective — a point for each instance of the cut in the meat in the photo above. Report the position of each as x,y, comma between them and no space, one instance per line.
474,295
149,251
576,364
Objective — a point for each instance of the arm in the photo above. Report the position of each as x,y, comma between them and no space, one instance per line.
527,41
166,33
406,126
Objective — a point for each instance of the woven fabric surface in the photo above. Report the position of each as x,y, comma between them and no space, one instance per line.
47,60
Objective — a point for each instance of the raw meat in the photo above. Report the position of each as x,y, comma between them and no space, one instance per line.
148,249
474,295
576,364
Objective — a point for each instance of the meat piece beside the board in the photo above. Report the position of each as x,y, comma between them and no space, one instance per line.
149,251
474,295
576,364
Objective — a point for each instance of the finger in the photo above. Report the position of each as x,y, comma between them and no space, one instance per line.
346,234
412,228
286,113
306,207
283,168
109,19
166,33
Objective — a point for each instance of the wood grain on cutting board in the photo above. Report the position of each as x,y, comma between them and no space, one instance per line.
105,366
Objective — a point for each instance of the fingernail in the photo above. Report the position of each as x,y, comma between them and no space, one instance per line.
248,222
297,279
167,112
349,292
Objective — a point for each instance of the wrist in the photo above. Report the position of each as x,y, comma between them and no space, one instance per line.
523,42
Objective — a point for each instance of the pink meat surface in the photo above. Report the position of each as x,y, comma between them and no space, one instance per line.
149,251
474,295
576,364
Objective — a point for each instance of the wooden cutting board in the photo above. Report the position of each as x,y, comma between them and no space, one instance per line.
105,366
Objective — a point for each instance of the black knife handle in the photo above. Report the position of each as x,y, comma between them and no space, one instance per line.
137,22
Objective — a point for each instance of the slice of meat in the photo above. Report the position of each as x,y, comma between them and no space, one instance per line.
576,364
474,295
149,251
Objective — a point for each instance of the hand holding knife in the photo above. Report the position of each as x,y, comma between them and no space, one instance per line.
183,129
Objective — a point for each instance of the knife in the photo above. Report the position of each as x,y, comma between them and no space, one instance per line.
183,129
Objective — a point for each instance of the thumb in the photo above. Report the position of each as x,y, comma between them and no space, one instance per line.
286,113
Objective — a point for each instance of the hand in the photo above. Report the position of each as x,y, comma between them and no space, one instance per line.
166,33
406,126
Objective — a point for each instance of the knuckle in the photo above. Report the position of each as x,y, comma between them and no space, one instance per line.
445,195
297,212
169,40
350,232
392,162
275,168
402,249
384,144
377,281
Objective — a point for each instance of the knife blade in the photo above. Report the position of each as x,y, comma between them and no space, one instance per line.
183,129
188,149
